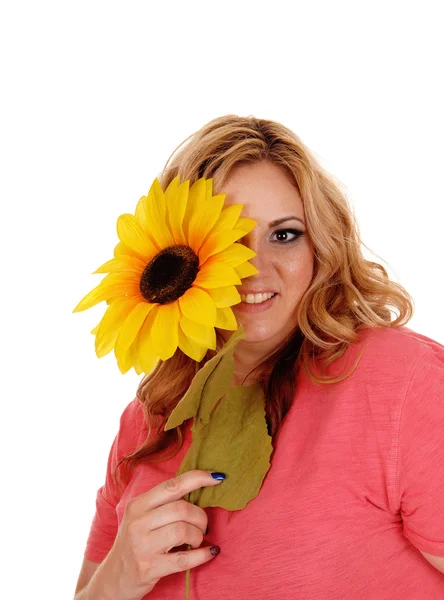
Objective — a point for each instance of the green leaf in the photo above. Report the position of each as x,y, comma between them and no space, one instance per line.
217,374
229,433
236,442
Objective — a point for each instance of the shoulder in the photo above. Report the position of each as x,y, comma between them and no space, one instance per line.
132,413
132,426
388,357
400,344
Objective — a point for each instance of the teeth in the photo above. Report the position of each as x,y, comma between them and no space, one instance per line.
256,298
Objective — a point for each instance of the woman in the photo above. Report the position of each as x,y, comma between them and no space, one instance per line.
352,504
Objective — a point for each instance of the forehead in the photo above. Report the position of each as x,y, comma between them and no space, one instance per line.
265,189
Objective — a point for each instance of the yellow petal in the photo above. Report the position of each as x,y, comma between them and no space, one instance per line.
228,218
164,331
226,319
137,367
132,235
122,250
225,296
202,220
216,242
142,363
111,322
124,363
95,330
245,225
145,351
130,328
134,356
190,347
197,305
209,189
111,286
201,334
216,275
171,190
122,263
140,212
156,224
234,255
246,270
176,203
147,362
144,216
196,197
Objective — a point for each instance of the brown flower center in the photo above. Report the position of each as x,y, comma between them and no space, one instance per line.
169,275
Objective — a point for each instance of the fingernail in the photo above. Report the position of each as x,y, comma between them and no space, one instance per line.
214,550
206,530
218,476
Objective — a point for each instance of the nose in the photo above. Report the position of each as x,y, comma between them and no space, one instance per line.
253,242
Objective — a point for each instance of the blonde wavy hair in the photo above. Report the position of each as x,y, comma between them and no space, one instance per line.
347,292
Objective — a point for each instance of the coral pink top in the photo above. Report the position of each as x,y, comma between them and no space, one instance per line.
354,491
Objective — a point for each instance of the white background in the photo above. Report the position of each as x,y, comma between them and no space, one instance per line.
94,98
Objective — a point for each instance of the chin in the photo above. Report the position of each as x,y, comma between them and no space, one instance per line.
255,334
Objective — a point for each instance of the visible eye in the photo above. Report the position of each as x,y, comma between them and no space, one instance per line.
286,236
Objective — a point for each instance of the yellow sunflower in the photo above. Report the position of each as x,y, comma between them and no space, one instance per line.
173,276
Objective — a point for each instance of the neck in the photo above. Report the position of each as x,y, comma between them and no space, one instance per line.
247,357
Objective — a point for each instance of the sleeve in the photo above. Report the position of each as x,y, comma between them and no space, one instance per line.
420,464
104,525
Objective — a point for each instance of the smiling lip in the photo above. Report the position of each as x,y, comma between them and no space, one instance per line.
254,308
255,291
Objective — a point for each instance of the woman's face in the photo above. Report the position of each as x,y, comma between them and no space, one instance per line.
284,252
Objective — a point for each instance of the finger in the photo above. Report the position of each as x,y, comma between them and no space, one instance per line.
179,510
171,489
160,541
182,561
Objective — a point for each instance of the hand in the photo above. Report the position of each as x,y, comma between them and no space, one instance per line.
153,524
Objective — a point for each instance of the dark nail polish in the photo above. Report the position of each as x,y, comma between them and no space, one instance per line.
206,530
218,476
214,550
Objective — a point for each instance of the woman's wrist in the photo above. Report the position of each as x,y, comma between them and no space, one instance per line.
95,590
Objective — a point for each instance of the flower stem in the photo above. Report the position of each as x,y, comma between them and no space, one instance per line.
187,582
188,573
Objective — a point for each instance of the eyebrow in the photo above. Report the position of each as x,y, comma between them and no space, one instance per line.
279,221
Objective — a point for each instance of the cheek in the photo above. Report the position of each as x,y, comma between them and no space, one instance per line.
296,272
